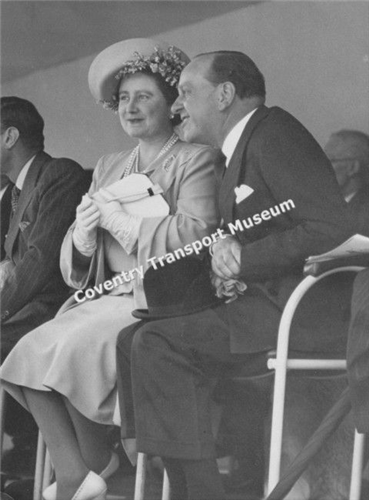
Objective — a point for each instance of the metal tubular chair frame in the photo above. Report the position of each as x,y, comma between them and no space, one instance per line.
2,415
281,363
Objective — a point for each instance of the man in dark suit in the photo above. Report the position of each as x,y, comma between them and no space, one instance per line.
45,192
280,203
5,210
44,199
348,151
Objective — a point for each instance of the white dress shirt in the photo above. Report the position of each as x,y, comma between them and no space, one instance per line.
230,142
2,191
22,174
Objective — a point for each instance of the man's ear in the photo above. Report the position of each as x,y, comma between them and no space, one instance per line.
353,168
226,95
11,137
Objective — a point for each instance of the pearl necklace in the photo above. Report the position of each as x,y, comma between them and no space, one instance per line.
132,165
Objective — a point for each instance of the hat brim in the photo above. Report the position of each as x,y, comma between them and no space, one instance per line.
107,64
145,314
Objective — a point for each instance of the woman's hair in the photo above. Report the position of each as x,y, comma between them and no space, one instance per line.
169,92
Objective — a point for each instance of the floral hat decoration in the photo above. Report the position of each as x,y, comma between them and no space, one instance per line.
129,57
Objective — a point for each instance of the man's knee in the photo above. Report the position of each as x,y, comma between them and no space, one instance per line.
125,339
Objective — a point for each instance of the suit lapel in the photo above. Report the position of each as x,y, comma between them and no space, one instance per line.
233,171
24,199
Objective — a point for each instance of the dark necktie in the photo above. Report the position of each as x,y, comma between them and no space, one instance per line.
15,197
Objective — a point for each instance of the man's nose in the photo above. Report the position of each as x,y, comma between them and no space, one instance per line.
177,106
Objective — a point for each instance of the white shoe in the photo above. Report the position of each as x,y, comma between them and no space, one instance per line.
92,488
49,493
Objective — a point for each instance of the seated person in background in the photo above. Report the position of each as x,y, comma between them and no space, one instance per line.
358,352
5,210
38,206
272,162
64,372
45,194
348,151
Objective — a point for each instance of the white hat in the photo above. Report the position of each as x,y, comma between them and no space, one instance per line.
128,57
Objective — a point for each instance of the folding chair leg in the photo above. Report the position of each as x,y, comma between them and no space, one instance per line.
140,476
357,466
166,487
277,425
2,417
40,465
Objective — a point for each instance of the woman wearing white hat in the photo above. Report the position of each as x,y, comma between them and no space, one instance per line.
64,372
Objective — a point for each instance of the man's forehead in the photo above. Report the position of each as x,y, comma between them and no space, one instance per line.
196,69
334,144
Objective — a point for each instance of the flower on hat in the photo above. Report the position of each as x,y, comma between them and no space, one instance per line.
167,63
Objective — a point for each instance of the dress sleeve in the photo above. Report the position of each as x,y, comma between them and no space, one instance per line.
77,270
193,209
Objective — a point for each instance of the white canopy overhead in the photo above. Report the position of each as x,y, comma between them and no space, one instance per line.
39,34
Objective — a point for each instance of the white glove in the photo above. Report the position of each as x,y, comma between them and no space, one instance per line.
85,232
122,226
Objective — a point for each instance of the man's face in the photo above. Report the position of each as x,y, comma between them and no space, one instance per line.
197,103
4,152
340,158
4,180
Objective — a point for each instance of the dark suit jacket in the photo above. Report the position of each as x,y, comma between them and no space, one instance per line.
5,209
35,289
280,160
359,206
358,352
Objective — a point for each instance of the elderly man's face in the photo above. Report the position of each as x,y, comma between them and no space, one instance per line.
340,158
197,103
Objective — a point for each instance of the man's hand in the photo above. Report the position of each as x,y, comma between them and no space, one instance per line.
226,262
6,270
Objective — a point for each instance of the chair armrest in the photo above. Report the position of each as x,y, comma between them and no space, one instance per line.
318,268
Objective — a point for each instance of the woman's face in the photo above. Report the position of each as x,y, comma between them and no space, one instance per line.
143,111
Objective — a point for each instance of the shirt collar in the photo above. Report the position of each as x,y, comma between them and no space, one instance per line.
2,191
349,197
22,174
230,142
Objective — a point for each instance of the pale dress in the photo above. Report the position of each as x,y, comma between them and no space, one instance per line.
74,354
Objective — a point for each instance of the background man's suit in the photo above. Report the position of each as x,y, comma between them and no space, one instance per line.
35,289
359,205
279,159
5,210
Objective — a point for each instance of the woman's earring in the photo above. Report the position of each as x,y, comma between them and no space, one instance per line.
171,116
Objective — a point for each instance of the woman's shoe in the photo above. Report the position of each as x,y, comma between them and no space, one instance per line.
92,488
49,493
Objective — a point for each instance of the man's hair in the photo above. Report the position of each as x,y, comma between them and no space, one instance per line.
357,147
22,114
238,68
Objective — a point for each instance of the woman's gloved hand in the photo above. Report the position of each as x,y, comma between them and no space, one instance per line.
122,226
85,231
